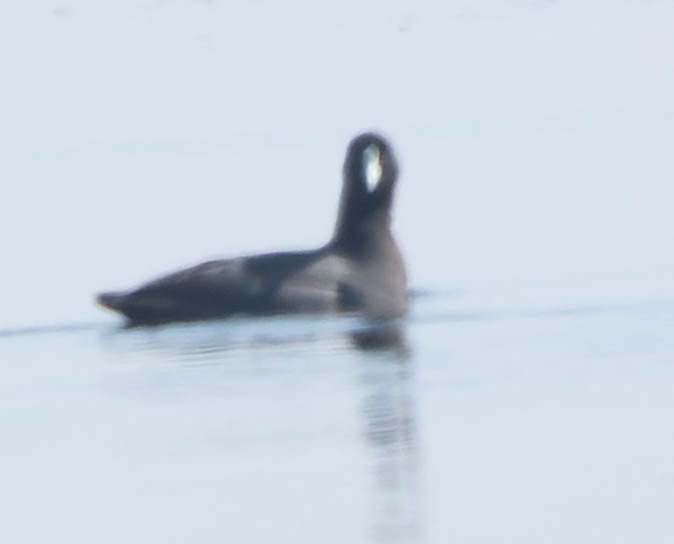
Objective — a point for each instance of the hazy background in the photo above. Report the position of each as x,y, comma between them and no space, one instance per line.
136,136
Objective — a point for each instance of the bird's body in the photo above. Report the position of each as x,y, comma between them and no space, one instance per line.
359,270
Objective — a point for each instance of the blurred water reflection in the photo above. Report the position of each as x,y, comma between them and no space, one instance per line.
374,357
390,427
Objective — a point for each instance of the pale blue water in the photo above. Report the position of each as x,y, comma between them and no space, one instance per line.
479,426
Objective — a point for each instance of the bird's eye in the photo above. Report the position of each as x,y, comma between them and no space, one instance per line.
372,165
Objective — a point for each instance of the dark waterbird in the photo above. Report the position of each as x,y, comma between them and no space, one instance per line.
359,270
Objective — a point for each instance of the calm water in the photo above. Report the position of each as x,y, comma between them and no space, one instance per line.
468,426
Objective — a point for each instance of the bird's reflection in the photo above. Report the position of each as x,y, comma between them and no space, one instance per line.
390,431
384,379
193,341
387,336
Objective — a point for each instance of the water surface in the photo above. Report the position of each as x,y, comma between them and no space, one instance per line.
473,426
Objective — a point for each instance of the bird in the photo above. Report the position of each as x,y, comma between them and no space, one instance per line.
359,270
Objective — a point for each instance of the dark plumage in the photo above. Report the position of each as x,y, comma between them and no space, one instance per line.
359,269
